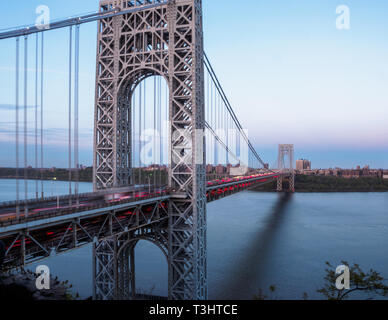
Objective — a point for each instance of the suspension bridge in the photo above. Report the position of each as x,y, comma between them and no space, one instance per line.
166,142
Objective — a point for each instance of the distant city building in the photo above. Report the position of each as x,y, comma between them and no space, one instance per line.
220,169
209,168
303,164
238,170
347,173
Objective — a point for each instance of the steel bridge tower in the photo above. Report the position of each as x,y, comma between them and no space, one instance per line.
166,41
286,165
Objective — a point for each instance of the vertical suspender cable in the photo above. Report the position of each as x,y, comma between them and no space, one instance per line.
139,142
160,131
226,121
217,113
133,128
41,118
36,116
210,102
144,116
76,101
207,106
25,123
167,132
17,127
154,151
70,87
215,126
157,130
221,126
221,111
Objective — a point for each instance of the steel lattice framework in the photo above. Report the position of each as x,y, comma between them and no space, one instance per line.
138,39
286,151
114,267
166,41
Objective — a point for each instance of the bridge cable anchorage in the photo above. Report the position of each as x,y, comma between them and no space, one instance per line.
17,126
70,107
25,124
41,116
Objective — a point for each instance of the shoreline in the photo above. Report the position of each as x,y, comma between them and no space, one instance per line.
303,184
331,184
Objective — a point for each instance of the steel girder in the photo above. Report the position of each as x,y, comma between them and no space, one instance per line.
165,41
29,245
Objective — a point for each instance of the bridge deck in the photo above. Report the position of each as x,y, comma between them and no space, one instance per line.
49,227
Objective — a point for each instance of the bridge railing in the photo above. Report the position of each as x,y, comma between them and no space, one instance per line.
7,204
66,211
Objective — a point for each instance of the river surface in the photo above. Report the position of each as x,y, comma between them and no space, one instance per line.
256,240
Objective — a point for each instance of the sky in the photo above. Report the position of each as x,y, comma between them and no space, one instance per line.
289,73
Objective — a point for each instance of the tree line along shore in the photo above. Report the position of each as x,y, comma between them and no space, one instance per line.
141,176
85,174
303,183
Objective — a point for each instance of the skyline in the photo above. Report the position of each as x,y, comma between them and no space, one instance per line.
315,86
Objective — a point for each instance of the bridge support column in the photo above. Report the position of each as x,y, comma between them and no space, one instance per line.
292,182
286,165
114,263
105,269
126,273
123,61
187,176
132,271
114,270
280,184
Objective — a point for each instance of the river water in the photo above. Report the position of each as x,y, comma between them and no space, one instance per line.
256,240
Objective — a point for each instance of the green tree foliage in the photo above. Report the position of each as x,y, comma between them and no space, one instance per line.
305,183
262,296
370,283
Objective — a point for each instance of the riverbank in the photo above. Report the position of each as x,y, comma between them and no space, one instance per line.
142,176
306,184
85,174
22,286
